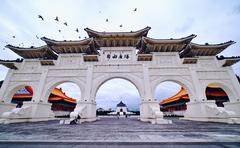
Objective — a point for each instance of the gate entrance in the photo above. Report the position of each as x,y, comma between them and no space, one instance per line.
116,97
144,61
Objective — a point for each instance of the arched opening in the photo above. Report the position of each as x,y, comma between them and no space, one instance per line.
63,98
23,94
216,92
172,98
117,97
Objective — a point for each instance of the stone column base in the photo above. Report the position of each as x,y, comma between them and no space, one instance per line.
4,107
86,110
150,112
29,112
209,112
233,106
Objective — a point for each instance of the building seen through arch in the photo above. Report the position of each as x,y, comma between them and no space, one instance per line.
177,104
62,105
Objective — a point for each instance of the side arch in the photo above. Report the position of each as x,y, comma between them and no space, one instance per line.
49,86
183,82
227,87
99,81
13,88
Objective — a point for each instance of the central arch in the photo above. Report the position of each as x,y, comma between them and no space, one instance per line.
136,81
117,91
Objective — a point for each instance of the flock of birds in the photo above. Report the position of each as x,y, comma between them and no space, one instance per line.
56,19
64,23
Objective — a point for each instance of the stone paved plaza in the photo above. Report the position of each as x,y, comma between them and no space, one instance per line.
121,132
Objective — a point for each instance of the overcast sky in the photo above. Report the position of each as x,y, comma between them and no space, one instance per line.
214,21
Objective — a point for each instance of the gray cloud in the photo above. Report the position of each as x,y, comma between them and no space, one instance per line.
237,9
185,26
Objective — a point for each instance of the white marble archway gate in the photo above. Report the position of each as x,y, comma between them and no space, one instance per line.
103,56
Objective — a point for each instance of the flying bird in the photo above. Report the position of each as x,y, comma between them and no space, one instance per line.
106,20
37,37
120,25
59,30
135,9
77,30
79,37
13,36
39,16
56,19
65,23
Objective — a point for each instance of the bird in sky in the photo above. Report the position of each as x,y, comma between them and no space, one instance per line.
135,9
37,37
120,25
77,30
65,23
56,19
39,16
59,30
13,36
79,37
106,20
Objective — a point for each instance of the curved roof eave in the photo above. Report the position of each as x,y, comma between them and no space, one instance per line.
166,41
139,33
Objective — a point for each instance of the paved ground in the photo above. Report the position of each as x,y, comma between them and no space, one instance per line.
121,133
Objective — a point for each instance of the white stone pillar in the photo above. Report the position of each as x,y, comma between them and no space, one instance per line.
5,103
198,92
39,106
235,84
147,87
86,107
197,109
4,87
149,108
88,88
38,94
234,104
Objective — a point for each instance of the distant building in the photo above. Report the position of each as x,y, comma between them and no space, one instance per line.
100,110
62,105
23,94
121,109
176,105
